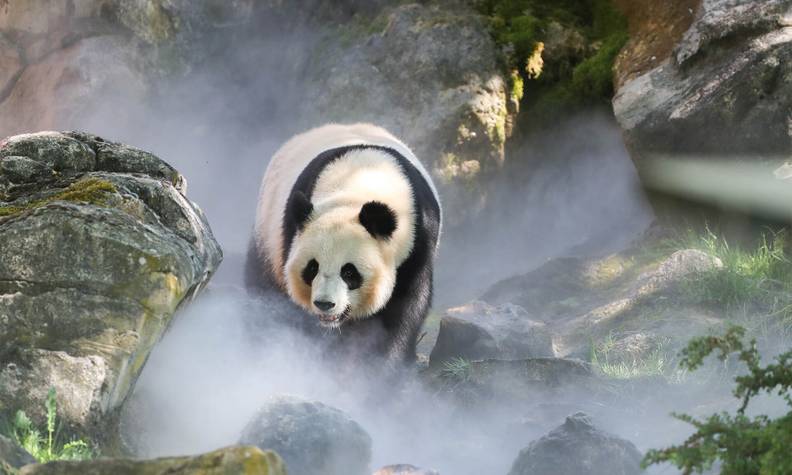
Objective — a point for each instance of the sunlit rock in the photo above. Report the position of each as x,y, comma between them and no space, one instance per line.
404,469
311,437
711,82
231,460
98,247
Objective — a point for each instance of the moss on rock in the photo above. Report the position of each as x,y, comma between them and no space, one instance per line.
91,191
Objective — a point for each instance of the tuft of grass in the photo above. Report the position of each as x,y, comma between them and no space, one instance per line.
44,446
87,190
659,362
757,277
456,370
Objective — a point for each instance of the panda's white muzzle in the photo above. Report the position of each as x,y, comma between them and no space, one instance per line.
329,298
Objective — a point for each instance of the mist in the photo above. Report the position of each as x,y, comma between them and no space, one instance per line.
571,190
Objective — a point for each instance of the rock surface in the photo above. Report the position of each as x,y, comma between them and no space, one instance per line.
12,454
444,93
582,300
723,89
69,85
479,331
577,447
231,460
98,247
517,381
311,437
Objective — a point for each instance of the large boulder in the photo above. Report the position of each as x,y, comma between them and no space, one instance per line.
577,447
311,437
98,247
718,84
478,331
584,300
231,460
431,75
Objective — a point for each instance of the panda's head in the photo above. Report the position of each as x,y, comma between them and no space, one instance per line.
340,265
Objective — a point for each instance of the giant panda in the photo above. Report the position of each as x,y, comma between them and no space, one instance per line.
347,224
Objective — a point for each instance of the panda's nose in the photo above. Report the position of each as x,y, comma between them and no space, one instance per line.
324,305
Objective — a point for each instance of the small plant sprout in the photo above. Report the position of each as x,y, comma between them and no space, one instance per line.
47,448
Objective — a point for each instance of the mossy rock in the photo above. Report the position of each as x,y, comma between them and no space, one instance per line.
98,247
238,460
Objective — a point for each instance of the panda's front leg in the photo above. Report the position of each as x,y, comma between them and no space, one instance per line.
405,316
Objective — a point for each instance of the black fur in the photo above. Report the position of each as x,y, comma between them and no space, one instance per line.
392,332
378,219
298,210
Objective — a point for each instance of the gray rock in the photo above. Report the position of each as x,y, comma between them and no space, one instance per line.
93,265
311,437
518,381
479,331
577,447
723,91
12,454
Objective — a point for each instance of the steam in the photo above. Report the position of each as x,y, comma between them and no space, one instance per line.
206,379
572,190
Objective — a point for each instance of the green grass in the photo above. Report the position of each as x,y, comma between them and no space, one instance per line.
44,445
87,190
658,362
757,278
456,370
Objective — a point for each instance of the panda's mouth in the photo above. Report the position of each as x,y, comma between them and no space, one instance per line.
333,320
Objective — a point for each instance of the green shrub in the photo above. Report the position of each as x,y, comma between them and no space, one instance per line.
520,25
742,445
44,445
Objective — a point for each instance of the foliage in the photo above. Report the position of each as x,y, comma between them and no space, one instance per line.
44,445
742,445
521,27
88,190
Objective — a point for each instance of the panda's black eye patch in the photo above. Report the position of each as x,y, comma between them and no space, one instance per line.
310,271
351,276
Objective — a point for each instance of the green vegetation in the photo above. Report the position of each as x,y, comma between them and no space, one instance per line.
657,362
743,445
588,34
88,190
44,445
752,288
456,370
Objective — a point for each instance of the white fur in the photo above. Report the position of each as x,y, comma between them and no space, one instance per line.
333,235
287,164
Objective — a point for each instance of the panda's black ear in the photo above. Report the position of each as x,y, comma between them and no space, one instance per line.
378,219
298,209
